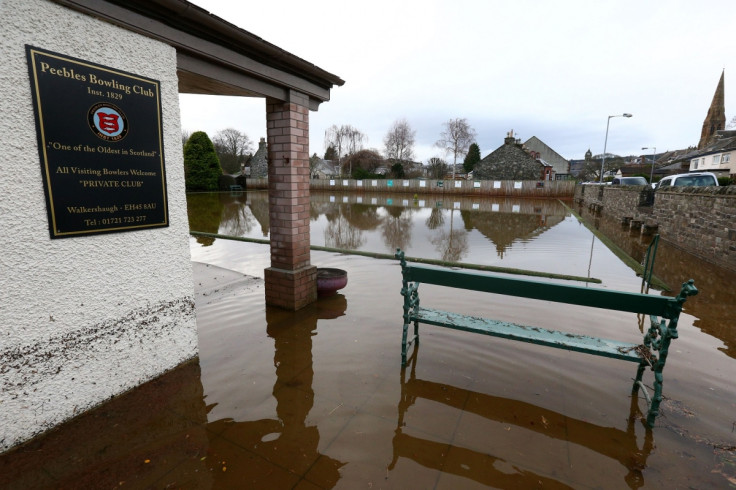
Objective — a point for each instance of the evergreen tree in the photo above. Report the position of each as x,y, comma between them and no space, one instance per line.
201,167
397,170
330,153
472,157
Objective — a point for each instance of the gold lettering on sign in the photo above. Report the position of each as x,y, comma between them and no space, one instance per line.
63,72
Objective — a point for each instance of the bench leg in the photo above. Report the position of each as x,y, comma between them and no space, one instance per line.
656,399
639,375
405,342
404,334
654,402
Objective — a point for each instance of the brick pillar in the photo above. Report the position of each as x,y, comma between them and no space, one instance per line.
291,281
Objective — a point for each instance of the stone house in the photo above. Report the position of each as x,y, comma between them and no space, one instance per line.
259,161
511,161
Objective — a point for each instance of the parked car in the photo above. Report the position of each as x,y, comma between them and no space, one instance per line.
690,179
629,181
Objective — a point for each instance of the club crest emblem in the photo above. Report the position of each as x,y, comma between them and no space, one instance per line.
107,121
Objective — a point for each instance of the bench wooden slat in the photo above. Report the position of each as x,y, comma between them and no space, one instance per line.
540,336
561,293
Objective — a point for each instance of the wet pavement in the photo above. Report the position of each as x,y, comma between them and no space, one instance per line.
318,399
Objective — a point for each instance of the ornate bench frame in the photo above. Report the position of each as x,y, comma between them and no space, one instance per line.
663,312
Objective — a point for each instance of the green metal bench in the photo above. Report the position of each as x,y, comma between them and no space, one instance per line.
663,313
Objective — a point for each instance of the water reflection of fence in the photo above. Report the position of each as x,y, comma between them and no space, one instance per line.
518,188
463,203
616,444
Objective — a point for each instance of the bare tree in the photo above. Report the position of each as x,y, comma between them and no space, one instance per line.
232,147
399,141
345,139
335,139
368,160
185,136
456,139
354,140
436,168
591,170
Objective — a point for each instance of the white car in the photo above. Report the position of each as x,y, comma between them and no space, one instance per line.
690,179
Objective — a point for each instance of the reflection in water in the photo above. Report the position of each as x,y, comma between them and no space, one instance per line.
204,210
340,233
289,440
362,216
237,219
356,221
154,432
258,203
453,244
613,443
503,229
396,228
436,219
713,309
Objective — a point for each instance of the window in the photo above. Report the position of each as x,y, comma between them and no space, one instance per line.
695,164
725,158
716,159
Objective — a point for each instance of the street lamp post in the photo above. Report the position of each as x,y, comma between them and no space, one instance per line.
605,145
654,154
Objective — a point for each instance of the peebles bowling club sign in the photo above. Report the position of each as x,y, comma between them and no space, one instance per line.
100,143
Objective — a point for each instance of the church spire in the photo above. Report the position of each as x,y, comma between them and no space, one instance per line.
716,118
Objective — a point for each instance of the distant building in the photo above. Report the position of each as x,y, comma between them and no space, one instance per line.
578,166
259,161
718,156
716,151
560,166
324,169
511,161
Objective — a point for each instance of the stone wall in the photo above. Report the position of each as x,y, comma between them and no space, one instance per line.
699,220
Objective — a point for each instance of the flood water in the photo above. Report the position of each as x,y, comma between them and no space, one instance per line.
514,233
318,399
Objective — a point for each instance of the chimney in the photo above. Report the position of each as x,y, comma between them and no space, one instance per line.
509,139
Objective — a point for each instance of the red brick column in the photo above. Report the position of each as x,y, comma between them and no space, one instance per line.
291,281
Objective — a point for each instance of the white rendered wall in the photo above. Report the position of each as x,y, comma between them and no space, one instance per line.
82,319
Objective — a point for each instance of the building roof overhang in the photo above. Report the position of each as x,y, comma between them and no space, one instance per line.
214,56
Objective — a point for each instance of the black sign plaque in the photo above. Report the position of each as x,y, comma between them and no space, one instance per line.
100,142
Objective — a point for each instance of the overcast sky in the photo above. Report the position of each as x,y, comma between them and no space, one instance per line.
554,70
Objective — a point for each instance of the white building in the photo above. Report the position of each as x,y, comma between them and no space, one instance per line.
719,156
